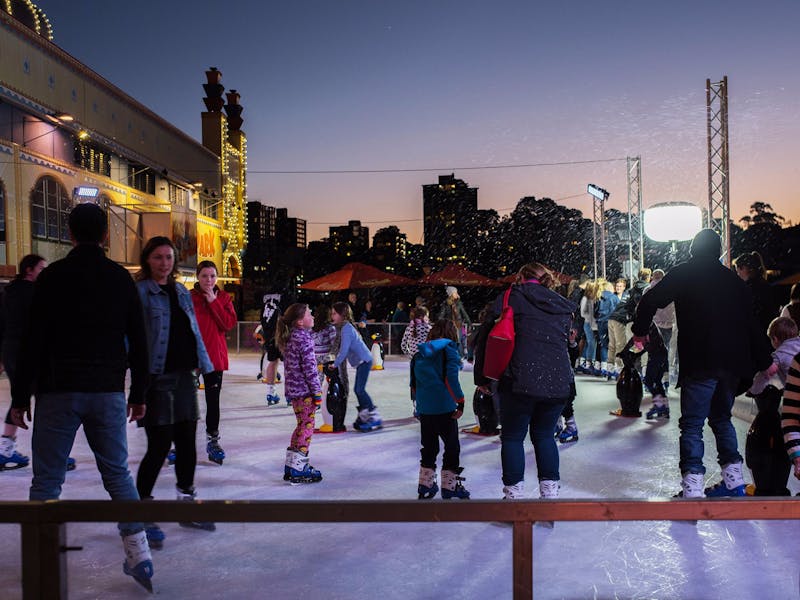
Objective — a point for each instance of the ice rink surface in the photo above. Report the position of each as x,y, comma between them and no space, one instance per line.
615,458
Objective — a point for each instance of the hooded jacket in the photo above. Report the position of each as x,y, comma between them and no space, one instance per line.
436,367
540,364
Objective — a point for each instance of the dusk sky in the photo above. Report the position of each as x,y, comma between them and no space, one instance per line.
453,86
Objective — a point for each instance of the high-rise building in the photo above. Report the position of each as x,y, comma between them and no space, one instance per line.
449,209
351,240
389,247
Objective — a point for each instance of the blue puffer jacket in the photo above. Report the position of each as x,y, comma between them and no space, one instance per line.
540,363
155,303
436,367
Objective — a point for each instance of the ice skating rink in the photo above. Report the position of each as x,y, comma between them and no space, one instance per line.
615,458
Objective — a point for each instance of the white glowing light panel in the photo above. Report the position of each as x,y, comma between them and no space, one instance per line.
672,221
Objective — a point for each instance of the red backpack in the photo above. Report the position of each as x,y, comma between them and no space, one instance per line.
500,343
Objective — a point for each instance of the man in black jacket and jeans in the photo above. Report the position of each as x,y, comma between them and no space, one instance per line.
720,346
86,329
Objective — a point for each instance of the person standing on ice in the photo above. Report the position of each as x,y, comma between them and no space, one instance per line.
215,317
177,352
353,350
440,403
538,381
720,347
86,331
302,386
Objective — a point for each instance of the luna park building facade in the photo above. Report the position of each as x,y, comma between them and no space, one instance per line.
67,135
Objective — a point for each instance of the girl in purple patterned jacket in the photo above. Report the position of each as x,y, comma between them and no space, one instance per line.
302,387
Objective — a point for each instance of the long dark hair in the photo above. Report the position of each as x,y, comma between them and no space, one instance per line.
443,328
754,262
322,318
28,263
153,243
283,328
343,309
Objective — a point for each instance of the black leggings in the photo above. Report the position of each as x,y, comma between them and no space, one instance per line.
159,440
213,384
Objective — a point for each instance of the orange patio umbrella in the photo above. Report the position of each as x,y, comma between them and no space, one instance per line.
457,275
355,275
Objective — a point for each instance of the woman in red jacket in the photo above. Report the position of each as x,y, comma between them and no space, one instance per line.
215,316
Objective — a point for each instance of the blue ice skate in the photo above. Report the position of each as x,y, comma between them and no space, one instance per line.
732,483
171,456
658,411
138,560
297,469
273,399
368,420
215,452
427,486
155,536
15,460
570,432
452,486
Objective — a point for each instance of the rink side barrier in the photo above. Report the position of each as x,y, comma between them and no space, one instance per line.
44,534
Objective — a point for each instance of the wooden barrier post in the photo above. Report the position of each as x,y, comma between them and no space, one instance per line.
44,561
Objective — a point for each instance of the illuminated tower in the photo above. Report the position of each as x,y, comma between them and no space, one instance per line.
222,135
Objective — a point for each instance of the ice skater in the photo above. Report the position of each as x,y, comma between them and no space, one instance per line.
415,334
440,403
353,350
88,330
177,351
293,339
719,345
273,305
215,317
764,449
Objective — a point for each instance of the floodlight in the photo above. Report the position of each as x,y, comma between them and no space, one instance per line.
85,193
598,192
672,221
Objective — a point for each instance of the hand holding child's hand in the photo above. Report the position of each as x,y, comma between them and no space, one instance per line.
459,411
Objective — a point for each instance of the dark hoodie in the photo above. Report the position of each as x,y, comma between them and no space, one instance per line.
540,364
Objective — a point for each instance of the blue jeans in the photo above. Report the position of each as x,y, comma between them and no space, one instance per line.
703,399
360,386
56,419
520,414
590,349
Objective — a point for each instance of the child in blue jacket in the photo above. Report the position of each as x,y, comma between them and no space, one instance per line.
440,402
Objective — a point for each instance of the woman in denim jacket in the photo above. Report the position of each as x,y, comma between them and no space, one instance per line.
177,352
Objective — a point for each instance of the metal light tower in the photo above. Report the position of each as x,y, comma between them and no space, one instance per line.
599,197
719,202
635,214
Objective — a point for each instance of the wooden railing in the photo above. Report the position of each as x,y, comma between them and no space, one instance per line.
44,566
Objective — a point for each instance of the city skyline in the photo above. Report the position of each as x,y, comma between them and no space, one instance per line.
402,94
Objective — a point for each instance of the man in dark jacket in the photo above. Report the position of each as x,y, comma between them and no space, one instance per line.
719,347
86,329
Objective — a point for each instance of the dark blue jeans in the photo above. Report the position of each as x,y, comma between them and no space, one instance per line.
703,399
56,419
520,414
360,386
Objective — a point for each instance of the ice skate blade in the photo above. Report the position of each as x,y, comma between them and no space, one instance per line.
215,460
13,466
145,582
198,525
301,480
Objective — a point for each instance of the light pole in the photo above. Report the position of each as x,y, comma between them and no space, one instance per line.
672,222
599,197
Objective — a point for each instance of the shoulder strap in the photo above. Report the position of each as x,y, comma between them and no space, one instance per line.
506,297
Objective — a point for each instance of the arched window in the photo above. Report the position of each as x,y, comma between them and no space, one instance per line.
50,206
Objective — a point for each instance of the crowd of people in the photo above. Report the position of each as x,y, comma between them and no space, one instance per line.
169,337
